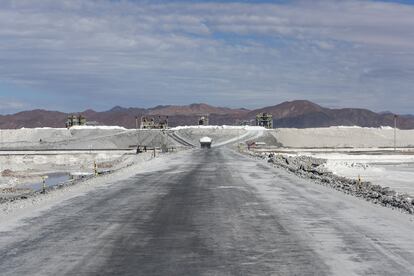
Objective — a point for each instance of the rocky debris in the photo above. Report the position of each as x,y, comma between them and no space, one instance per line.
7,173
11,194
313,168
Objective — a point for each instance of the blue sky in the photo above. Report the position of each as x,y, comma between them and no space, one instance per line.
72,55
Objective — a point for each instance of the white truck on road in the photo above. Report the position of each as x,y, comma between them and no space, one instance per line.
205,142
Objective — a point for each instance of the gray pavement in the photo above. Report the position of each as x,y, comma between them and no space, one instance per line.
212,212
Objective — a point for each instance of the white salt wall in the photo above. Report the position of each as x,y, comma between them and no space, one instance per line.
30,135
78,138
342,137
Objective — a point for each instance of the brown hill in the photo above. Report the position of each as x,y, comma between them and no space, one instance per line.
299,114
33,118
305,114
178,115
288,109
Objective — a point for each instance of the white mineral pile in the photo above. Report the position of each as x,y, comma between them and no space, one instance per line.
342,136
221,135
84,137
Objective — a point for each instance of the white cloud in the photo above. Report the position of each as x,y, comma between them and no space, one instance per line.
221,53
7,105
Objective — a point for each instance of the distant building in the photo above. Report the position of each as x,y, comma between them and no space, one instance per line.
203,120
75,120
151,123
264,119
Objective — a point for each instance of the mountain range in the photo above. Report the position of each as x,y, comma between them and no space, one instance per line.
298,114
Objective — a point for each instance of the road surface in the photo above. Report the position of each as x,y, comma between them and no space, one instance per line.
211,212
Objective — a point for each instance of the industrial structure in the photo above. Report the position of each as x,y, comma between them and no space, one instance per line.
151,123
264,119
203,120
75,120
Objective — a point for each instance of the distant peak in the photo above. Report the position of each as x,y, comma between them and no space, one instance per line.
300,102
385,113
160,106
117,109
199,104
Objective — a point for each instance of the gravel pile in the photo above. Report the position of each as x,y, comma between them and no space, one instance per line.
309,167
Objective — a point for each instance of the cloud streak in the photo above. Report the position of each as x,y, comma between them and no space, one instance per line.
101,53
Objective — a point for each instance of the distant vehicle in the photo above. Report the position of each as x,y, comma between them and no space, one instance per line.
205,142
252,144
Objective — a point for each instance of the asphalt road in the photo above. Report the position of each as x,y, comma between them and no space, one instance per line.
212,212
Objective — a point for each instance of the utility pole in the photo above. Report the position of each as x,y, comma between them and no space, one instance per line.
395,133
43,184
95,168
137,131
